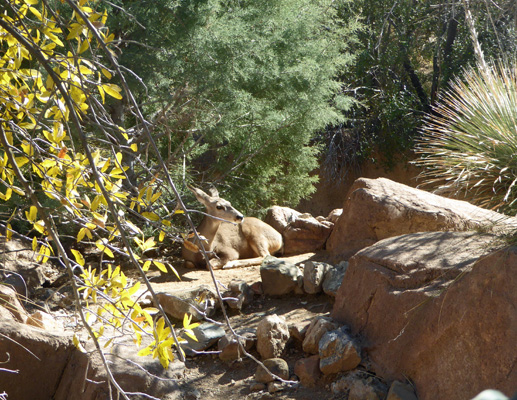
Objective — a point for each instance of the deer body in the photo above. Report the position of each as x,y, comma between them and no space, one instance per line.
231,240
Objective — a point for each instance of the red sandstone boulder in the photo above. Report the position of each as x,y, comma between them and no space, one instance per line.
376,209
302,233
437,308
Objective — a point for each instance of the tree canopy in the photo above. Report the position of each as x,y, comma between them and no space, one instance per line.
239,88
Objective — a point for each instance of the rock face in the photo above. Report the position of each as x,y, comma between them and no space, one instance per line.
19,259
50,367
302,233
45,350
434,304
376,209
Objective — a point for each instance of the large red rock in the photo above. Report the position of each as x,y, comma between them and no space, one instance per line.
302,233
437,308
49,366
376,209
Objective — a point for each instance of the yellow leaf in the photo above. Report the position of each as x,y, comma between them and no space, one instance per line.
78,345
35,12
106,73
179,211
113,90
83,46
32,214
21,161
101,91
161,236
9,232
150,216
146,351
155,197
161,266
146,265
44,253
39,226
78,257
34,243
134,147
7,195
80,235
19,191
102,246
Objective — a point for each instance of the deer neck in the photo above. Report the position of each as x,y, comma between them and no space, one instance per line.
208,228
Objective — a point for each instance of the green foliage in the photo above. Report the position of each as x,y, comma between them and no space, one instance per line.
469,142
240,88
409,53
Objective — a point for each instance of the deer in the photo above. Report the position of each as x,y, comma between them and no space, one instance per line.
230,239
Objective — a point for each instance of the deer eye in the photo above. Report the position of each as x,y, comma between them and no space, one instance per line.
220,207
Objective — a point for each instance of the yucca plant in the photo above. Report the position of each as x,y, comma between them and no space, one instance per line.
468,145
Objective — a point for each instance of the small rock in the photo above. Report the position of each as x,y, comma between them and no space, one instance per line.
280,277
333,278
338,353
180,302
334,215
360,386
257,387
317,328
272,336
297,333
241,294
490,395
207,335
230,349
42,320
273,387
277,366
257,288
308,370
313,276
402,391
192,395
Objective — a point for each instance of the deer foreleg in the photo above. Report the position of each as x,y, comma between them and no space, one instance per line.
247,262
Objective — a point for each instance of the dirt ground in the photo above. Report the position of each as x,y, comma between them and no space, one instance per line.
206,376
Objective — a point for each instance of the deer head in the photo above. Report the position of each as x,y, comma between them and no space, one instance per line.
217,207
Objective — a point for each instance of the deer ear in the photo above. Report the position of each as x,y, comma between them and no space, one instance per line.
201,196
213,191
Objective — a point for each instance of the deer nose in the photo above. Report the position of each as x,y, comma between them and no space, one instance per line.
239,217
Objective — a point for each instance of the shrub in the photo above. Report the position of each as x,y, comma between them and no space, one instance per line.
468,144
